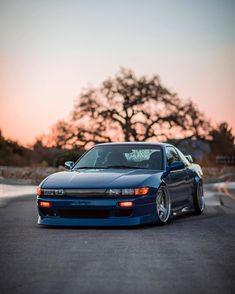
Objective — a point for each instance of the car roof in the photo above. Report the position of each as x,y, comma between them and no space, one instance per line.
135,143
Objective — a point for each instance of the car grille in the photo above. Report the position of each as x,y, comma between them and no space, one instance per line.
86,213
68,193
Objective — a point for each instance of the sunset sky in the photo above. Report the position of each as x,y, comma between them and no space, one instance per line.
51,49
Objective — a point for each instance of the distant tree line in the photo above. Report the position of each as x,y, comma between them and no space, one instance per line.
130,108
123,108
14,154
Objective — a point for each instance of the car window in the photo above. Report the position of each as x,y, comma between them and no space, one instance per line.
171,155
136,156
182,157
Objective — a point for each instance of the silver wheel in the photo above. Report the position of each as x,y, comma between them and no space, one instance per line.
163,205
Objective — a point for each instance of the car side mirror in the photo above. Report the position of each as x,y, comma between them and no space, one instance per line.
189,157
176,165
68,164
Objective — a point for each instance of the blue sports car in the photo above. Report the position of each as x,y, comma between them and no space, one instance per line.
117,184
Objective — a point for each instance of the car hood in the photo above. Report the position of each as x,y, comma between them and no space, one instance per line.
96,178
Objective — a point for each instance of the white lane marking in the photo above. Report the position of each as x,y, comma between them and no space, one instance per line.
9,192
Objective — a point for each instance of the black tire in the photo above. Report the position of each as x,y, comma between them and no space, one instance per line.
198,199
163,205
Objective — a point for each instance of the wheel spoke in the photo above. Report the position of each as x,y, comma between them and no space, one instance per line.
163,210
162,205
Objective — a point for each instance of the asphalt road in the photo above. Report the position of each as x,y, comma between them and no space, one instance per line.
192,254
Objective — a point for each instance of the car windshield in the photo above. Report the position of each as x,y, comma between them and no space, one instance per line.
122,156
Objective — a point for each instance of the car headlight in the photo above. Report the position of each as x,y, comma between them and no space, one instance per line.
111,192
128,192
49,192
120,192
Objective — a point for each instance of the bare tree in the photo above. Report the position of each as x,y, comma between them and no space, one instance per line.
128,108
222,140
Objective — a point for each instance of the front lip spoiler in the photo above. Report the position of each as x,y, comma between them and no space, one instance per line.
124,221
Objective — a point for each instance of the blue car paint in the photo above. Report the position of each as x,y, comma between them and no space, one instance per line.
143,212
103,178
181,185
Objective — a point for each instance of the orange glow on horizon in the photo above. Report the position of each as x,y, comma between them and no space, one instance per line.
33,96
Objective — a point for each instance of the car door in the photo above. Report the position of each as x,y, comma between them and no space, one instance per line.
190,173
176,180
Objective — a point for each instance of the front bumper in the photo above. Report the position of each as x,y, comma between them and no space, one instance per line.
96,212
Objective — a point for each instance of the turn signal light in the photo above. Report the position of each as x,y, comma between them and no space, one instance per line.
45,204
141,191
126,204
39,191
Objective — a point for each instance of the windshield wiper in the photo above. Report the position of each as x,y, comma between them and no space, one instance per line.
88,167
122,166
107,167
